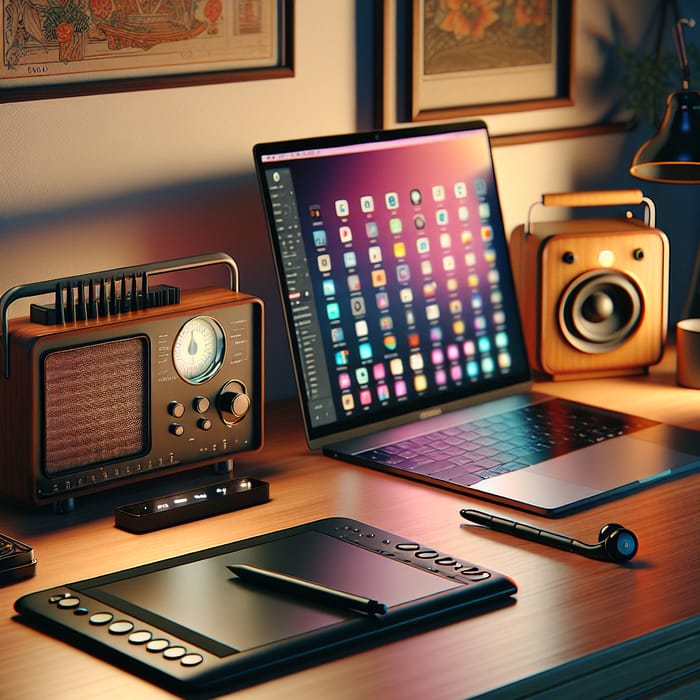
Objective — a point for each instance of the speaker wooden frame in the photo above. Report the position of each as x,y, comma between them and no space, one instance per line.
548,256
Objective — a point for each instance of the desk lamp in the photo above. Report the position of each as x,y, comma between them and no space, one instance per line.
672,155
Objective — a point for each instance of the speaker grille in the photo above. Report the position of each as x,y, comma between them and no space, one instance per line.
599,311
95,404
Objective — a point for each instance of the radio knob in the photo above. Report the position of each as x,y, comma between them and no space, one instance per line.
204,424
176,429
176,409
200,404
233,403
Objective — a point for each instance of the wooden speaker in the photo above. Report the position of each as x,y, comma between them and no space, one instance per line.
593,293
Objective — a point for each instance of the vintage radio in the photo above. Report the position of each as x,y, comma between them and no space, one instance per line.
115,380
593,293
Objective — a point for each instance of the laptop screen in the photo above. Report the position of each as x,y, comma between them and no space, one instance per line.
394,272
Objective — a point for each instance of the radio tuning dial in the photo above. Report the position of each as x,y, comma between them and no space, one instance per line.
198,350
233,402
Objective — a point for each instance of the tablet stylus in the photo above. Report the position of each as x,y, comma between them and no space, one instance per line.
315,591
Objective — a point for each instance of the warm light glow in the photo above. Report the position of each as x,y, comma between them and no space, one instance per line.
606,258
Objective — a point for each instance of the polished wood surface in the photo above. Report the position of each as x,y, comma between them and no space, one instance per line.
567,607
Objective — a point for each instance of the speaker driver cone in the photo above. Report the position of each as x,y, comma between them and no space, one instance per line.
598,311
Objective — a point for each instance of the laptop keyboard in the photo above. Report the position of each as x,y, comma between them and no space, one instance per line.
467,453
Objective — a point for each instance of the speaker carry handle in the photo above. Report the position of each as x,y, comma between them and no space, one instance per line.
143,271
596,198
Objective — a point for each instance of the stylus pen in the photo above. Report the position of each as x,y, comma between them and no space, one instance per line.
315,591
512,527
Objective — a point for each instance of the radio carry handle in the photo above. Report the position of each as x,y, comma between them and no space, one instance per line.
595,198
79,281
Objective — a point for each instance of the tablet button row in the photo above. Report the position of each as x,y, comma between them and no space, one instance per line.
68,601
448,565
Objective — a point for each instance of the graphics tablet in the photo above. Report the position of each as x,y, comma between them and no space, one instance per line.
189,624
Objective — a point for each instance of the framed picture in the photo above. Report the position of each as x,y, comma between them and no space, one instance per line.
459,60
60,48
486,58
512,63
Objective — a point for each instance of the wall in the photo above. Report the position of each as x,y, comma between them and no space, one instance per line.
97,182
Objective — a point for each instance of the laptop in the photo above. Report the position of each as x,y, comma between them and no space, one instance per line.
403,323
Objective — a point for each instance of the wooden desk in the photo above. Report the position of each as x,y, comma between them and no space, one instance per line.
568,608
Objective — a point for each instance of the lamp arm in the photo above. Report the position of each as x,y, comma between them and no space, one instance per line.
680,49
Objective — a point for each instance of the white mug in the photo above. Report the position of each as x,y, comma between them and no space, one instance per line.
688,352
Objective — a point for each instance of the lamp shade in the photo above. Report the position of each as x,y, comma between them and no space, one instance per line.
673,153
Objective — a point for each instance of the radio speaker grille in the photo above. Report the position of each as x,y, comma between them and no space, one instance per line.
95,404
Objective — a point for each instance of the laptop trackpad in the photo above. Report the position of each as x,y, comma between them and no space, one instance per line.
585,473
525,486
613,463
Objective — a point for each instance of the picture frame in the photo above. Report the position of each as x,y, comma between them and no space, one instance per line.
503,60
68,48
524,107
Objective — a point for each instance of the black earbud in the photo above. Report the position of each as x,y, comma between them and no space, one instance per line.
615,543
